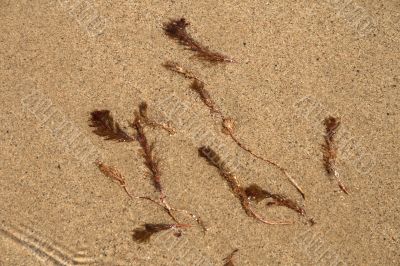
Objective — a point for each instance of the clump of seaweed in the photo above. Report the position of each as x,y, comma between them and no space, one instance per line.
228,260
104,125
176,29
214,159
329,149
228,124
151,162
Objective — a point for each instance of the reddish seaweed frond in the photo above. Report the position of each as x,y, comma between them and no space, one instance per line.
147,152
214,159
228,261
176,29
329,149
104,125
198,87
143,234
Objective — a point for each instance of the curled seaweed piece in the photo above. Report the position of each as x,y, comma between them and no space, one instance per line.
143,234
213,158
329,149
104,125
257,194
176,29
228,260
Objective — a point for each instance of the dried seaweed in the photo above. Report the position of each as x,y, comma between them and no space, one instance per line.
143,234
228,124
176,29
106,127
213,158
329,149
147,152
228,261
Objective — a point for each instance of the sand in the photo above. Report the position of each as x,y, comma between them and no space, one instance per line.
296,64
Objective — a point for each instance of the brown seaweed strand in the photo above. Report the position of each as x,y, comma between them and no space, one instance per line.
228,124
198,87
228,261
228,129
143,114
147,153
176,29
329,148
152,164
213,159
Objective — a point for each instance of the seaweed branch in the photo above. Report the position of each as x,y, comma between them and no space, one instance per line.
329,149
228,261
256,194
106,127
213,158
143,114
176,29
152,163
228,124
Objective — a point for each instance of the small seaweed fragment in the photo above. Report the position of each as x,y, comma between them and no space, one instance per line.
329,149
213,158
228,124
143,114
198,87
228,261
176,29
106,127
143,234
114,174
